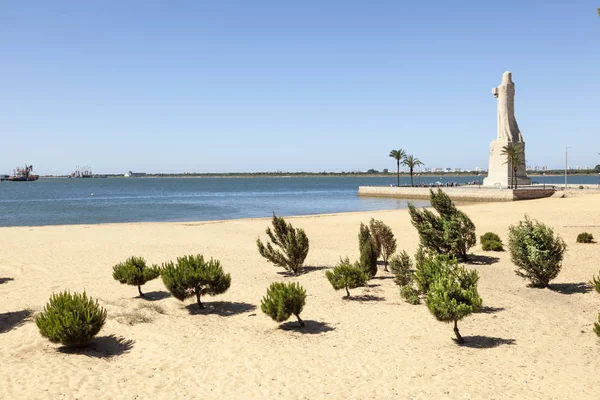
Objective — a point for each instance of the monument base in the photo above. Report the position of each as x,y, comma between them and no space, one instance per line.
499,171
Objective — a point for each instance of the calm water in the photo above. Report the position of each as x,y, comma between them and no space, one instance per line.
69,201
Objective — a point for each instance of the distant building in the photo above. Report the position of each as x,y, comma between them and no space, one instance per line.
134,174
477,169
385,171
545,168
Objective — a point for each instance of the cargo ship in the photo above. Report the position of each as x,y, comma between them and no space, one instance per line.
21,175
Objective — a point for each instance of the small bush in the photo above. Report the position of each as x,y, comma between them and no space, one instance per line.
410,294
450,232
71,319
134,271
453,296
401,266
585,237
430,268
385,242
283,300
489,236
597,326
368,253
580,186
347,276
596,282
492,245
293,244
536,252
192,276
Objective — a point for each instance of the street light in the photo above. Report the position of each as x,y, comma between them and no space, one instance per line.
566,164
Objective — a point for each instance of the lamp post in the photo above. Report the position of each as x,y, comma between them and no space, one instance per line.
544,175
566,164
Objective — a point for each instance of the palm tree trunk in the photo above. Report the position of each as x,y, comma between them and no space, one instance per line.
411,178
516,181
398,172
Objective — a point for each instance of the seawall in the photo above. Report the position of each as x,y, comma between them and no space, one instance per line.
459,193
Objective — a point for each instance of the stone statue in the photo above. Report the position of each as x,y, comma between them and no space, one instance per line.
508,130
500,170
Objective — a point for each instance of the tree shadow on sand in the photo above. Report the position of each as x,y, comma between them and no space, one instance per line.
155,296
220,308
383,277
484,342
477,259
12,320
489,310
305,270
310,327
570,288
364,297
4,280
102,347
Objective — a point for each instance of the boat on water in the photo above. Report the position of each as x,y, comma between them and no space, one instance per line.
21,175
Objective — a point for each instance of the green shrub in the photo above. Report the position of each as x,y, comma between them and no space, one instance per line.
585,237
597,326
401,266
410,294
192,276
596,282
134,271
368,253
430,268
492,245
453,296
580,186
293,244
450,232
347,276
489,236
385,242
283,300
71,319
536,252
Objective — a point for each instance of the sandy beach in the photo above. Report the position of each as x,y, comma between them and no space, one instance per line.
527,343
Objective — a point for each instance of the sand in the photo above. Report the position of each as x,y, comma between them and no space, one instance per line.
528,343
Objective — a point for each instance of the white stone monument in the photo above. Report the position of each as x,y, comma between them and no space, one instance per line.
500,171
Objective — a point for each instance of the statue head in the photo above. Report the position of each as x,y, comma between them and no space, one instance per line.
507,78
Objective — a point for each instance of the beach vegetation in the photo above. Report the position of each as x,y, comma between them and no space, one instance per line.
411,162
368,251
454,296
597,324
193,276
514,158
536,251
398,155
385,242
491,242
292,243
72,319
596,282
402,267
585,237
284,300
451,231
134,271
346,275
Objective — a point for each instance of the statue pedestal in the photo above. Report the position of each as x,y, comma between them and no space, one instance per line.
499,171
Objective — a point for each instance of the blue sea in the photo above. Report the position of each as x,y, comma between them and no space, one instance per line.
70,201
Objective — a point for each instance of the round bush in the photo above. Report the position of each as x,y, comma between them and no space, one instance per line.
71,319
492,245
536,252
283,300
135,272
346,275
585,237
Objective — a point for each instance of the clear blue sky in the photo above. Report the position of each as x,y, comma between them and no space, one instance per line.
297,86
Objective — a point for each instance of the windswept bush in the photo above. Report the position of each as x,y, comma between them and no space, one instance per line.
385,242
71,319
401,266
347,276
134,271
596,282
293,245
368,252
284,300
585,237
450,232
491,242
536,252
192,276
453,296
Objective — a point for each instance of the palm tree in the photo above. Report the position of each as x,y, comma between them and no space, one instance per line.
411,162
398,155
514,158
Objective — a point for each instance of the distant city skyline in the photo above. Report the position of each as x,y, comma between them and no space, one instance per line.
313,86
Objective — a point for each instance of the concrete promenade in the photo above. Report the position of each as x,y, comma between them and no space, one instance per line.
459,193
